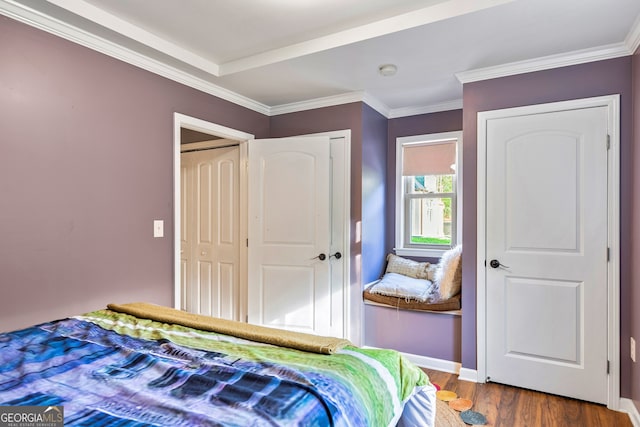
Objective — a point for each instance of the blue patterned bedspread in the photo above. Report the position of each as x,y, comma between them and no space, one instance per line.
112,369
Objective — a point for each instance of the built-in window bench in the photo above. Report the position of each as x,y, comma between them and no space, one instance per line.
448,306
419,286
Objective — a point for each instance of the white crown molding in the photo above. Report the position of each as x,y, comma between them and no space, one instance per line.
66,31
426,109
29,16
108,20
311,104
545,63
633,38
54,26
376,104
371,101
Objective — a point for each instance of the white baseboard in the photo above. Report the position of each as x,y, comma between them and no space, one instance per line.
626,405
442,365
468,375
432,363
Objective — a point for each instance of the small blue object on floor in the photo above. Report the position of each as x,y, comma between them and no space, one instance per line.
473,418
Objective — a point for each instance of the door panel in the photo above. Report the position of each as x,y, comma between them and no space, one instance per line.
289,227
547,227
210,231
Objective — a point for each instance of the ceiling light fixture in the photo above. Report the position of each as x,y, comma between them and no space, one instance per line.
387,69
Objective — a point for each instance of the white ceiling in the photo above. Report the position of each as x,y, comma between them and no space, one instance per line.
284,55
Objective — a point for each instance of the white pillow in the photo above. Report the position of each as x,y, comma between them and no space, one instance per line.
401,286
407,267
448,275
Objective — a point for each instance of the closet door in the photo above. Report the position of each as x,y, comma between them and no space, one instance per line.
210,232
547,244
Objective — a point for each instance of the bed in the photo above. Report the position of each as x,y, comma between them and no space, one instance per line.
140,364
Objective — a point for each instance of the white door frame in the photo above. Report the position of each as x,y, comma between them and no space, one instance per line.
188,122
612,102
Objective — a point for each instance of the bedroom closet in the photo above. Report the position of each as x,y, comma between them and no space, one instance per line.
210,234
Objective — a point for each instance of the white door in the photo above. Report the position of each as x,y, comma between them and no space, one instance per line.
210,243
546,252
290,256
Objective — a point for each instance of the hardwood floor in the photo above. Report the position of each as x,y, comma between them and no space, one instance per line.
507,406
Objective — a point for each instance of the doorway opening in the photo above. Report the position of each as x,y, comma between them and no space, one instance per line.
193,131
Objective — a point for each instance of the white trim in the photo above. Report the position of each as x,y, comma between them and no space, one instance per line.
429,362
467,374
365,97
34,18
612,102
441,365
326,101
399,202
205,145
633,38
184,121
627,405
433,363
456,104
545,63
134,32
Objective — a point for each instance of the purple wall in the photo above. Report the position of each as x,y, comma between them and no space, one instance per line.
579,81
425,334
374,193
423,124
434,335
634,329
85,167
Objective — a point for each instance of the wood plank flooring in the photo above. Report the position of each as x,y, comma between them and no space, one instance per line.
507,406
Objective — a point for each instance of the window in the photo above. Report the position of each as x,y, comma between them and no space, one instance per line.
428,194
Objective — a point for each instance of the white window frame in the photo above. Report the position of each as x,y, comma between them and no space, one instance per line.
433,138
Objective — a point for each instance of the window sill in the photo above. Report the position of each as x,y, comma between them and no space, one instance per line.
424,253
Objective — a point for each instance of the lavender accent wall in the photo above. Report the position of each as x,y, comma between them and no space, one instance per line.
374,193
85,168
579,81
422,124
421,333
634,329
426,334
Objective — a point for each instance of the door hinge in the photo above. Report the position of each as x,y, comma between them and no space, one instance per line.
608,366
608,254
247,242
608,142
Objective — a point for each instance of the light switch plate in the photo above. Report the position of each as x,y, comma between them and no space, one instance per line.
158,228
